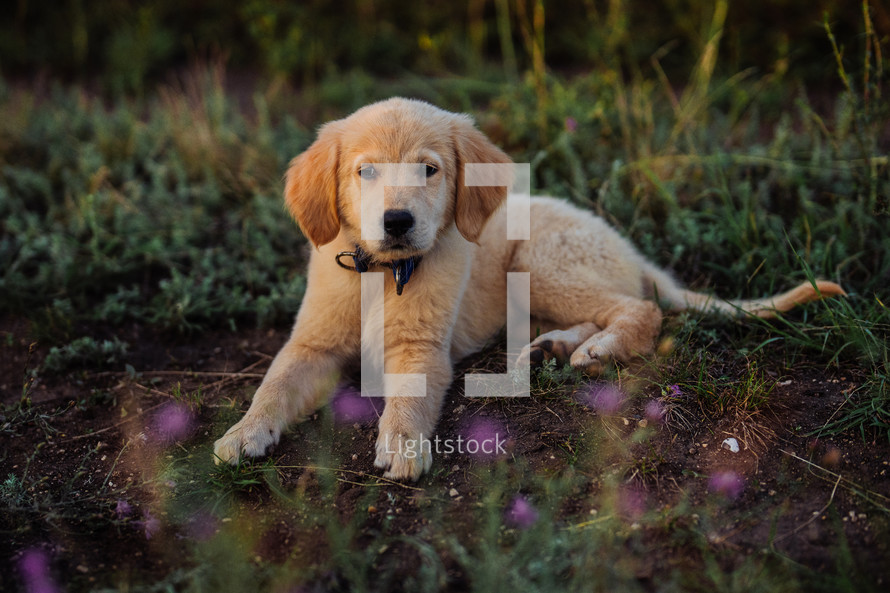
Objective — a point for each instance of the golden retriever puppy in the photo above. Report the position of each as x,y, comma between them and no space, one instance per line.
446,244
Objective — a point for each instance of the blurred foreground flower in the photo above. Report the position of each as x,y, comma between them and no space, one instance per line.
123,509
150,525
728,483
605,399
34,568
521,513
202,526
350,407
631,502
173,422
483,438
655,411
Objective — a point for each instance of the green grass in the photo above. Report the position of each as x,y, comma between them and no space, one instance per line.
172,218
84,352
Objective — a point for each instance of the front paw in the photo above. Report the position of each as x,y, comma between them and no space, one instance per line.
403,457
535,354
250,437
594,356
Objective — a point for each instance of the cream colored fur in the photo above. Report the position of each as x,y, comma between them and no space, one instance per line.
590,289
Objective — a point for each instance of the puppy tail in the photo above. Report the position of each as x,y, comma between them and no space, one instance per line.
678,298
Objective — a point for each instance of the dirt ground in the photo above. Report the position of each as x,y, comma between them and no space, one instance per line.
90,432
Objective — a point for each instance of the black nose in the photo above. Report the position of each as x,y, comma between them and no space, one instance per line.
397,222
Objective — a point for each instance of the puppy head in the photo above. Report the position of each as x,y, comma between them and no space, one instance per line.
392,177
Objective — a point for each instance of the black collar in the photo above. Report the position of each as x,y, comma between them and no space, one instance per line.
401,268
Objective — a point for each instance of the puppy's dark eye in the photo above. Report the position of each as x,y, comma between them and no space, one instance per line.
367,172
431,170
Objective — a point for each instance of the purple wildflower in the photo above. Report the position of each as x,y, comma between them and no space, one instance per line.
202,526
173,422
674,391
655,411
571,124
34,568
350,407
150,525
606,400
483,438
631,502
727,483
123,509
521,513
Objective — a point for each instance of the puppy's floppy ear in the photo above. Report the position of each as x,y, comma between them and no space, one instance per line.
474,204
311,187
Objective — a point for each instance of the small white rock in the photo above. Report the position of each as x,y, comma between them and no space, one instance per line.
731,444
